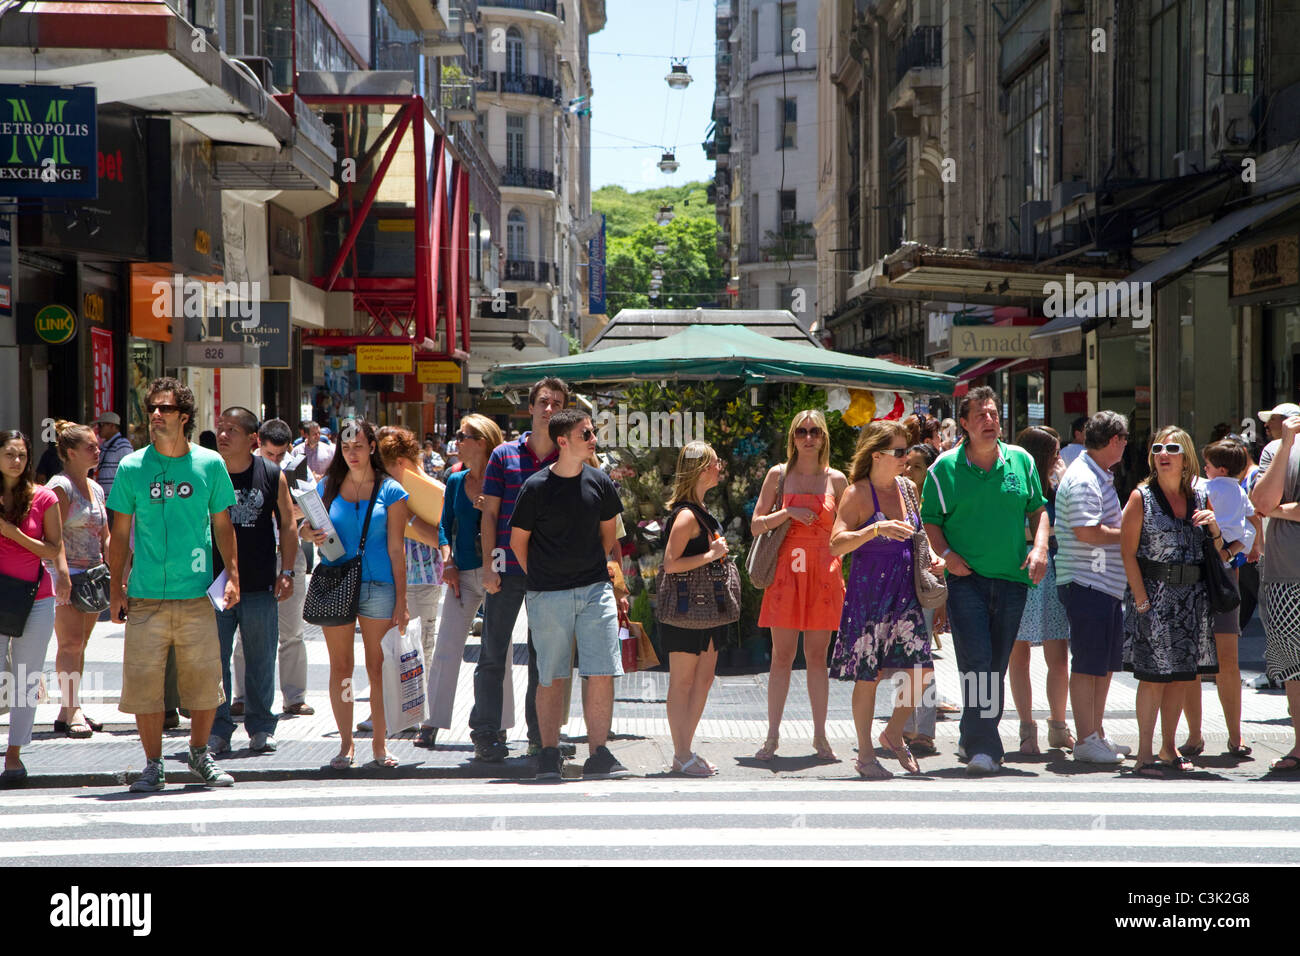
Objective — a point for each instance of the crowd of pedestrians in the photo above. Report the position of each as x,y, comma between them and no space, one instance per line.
204,556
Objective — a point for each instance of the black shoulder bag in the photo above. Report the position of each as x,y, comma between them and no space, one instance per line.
334,595
16,599
1220,586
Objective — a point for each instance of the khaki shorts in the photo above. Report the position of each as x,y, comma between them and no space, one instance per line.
152,628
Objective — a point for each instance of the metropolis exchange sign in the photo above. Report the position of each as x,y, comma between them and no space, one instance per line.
48,142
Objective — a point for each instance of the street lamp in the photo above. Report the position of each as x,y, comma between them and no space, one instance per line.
656,273
668,163
665,215
678,78
661,248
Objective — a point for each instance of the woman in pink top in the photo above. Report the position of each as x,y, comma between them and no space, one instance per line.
30,529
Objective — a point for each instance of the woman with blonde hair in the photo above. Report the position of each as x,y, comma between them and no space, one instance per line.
85,542
1168,640
807,592
694,539
882,630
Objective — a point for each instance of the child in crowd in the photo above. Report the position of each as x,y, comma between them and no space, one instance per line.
1225,462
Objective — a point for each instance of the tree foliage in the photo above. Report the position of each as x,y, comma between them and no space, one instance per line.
627,212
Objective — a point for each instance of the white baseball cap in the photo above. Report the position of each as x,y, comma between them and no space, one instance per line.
1286,410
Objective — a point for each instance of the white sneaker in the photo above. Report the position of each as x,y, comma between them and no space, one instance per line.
1092,749
1120,749
981,765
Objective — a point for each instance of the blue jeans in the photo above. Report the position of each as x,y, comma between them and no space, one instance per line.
258,621
984,614
500,612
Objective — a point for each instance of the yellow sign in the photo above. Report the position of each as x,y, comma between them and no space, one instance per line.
437,373
385,359
92,306
202,242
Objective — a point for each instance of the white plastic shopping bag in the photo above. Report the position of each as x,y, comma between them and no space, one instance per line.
405,702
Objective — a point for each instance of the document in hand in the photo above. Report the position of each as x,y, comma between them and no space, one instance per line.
217,593
318,517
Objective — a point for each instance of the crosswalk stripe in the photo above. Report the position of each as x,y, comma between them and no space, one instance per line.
676,862
695,837
874,810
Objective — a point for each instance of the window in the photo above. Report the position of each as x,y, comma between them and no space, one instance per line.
785,25
753,35
788,110
515,141
514,52
753,129
788,204
1027,140
753,225
480,125
516,236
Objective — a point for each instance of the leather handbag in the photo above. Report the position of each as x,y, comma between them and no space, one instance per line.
334,594
90,589
16,599
704,597
931,591
1220,586
760,565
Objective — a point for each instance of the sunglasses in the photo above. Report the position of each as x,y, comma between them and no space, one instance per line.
587,434
896,452
1168,448
813,432
467,436
164,409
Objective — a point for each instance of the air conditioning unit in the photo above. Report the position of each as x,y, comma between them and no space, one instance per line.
1188,161
1230,124
787,217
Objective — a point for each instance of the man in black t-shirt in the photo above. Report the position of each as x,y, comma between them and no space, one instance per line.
261,498
562,528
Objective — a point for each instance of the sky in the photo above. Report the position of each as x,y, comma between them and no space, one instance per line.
634,115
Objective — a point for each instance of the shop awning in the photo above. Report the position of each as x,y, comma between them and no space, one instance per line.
708,352
1177,260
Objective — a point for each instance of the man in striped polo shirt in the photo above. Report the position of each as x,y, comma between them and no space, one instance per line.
510,465
1090,580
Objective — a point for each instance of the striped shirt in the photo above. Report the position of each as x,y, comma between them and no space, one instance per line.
1087,498
110,456
512,463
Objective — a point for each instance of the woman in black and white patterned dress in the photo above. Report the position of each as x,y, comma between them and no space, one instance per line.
1168,639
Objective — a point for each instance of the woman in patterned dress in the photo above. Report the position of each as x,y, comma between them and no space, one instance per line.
882,630
807,592
1168,640
1044,623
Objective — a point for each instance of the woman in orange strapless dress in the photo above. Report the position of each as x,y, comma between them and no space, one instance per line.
807,592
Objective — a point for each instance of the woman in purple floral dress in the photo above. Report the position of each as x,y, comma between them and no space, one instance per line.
882,630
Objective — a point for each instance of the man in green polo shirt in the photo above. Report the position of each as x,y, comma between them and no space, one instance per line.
976,499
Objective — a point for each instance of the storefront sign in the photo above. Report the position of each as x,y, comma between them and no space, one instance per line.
272,334
1264,266
990,341
92,307
437,373
101,361
596,271
47,325
47,142
385,359
220,354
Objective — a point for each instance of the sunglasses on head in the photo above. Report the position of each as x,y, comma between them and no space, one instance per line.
164,409
813,432
1168,448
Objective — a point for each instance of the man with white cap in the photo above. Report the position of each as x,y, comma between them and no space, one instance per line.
1273,423
113,447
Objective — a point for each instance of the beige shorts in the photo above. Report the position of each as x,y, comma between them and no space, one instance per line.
152,628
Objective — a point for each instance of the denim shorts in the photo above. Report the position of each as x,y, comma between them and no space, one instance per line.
585,616
378,599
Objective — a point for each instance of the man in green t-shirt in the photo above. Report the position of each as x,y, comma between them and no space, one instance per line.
177,494
974,506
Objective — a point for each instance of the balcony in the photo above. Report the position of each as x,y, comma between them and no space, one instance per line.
523,178
530,270
532,6
494,81
919,79
459,102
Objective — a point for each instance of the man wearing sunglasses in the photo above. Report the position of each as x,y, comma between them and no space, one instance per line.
563,526
179,496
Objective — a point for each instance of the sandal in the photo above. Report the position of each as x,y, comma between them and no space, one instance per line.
1238,749
1287,764
428,737
691,767
1179,763
871,770
342,762
79,730
1059,736
921,746
768,750
1187,750
94,725
1029,737
902,753
1152,770
386,762
822,748
713,768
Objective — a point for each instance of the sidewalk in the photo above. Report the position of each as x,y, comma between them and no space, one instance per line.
733,727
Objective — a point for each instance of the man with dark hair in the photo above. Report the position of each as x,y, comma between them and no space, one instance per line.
510,465
562,528
976,500
261,500
1077,441
179,496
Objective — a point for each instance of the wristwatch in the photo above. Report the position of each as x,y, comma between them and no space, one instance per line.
288,573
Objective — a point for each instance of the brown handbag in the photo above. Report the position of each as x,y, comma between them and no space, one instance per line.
704,597
931,591
766,548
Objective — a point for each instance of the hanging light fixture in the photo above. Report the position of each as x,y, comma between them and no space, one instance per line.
656,273
678,78
661,248
665,215
653,294
668,163
656,283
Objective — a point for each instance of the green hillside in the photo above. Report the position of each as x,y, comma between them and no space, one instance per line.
627,212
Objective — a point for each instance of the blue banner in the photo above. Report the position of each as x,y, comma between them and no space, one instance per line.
48,142
596,271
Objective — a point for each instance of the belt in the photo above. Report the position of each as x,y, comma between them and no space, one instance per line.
1177,574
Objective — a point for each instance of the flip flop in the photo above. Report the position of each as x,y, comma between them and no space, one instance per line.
1179,763
388,762
1288,764
342,762
1187,750
1241,750
691,767
1151,770
901,753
